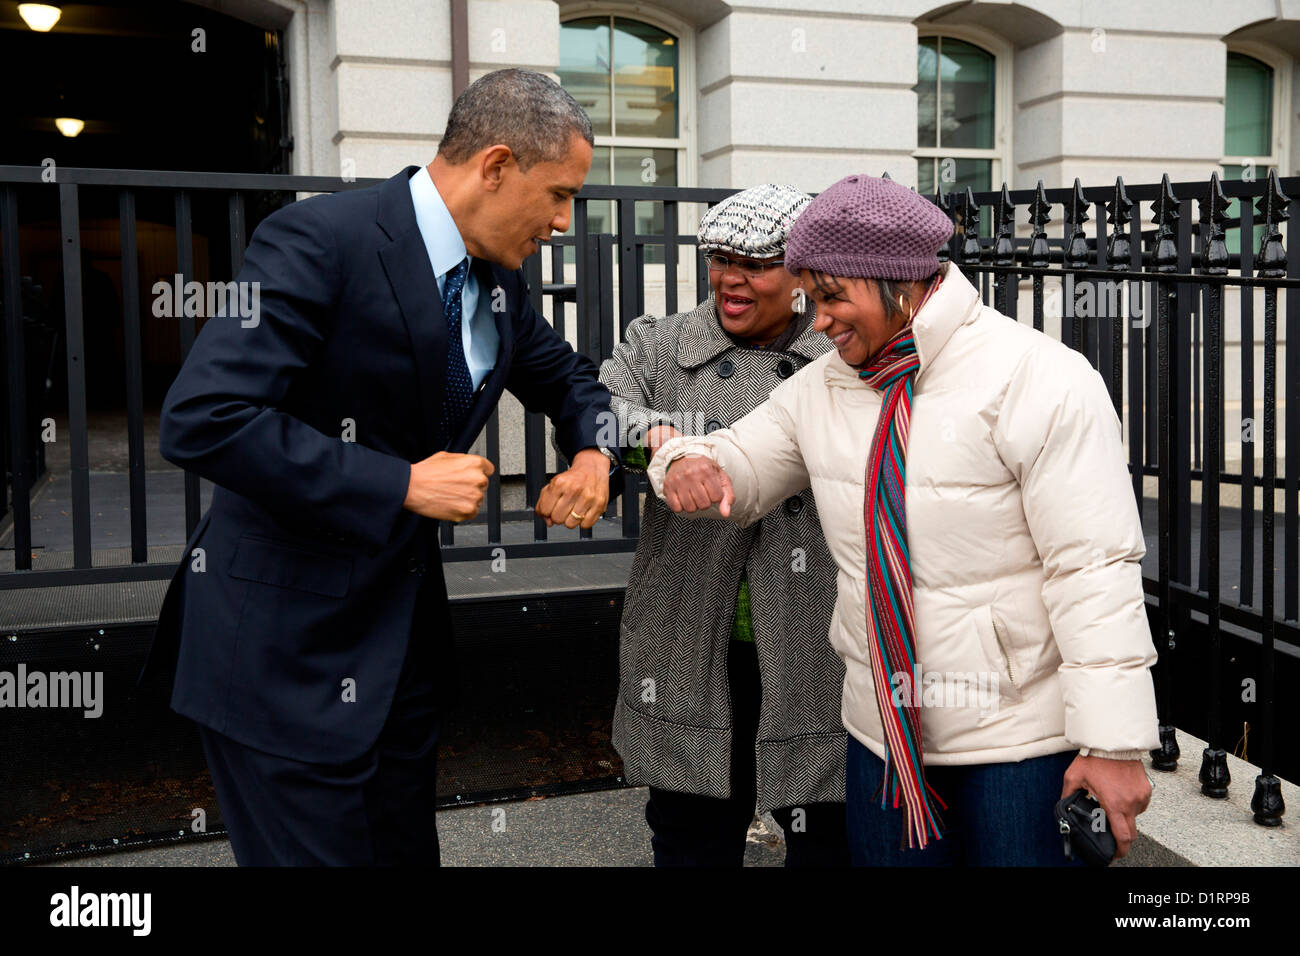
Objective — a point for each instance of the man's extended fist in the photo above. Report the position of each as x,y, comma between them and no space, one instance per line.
448,486
577,497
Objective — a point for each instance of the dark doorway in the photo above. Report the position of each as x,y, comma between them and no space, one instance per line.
159,85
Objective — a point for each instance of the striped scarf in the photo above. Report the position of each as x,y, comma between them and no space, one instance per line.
890,622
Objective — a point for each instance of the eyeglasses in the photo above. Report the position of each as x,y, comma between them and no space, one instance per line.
720,263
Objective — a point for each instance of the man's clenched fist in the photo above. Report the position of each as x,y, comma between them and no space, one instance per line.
577,498
448,486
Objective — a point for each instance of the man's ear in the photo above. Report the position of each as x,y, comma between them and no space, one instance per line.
493,163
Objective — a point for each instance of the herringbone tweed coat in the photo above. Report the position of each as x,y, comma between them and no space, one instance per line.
672,720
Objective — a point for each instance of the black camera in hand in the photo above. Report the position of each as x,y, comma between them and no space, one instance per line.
1077,817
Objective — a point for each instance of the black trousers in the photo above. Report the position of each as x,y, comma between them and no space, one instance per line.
693,830
377,810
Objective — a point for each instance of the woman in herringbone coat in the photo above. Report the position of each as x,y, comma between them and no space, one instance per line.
729,692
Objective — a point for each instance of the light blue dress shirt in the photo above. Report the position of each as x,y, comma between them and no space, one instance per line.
446,248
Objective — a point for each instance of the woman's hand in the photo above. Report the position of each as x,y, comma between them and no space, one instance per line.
694,483
1120,786
655,438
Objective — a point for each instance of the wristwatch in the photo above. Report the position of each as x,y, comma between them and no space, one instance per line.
613,459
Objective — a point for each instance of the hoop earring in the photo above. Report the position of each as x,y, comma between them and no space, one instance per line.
901,309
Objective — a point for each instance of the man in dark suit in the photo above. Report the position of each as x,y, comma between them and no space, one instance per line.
308,624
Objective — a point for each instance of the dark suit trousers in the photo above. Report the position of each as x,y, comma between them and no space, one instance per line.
377,810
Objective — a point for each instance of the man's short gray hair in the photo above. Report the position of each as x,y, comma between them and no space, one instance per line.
525,110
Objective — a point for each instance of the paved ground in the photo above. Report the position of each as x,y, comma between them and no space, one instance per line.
588,829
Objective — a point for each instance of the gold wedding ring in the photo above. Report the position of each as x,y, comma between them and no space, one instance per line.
575,514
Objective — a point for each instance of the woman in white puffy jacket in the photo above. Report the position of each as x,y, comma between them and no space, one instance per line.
972,488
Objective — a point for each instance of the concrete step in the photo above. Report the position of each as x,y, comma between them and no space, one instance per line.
1183,827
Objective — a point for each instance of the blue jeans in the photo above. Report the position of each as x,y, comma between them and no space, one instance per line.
999,814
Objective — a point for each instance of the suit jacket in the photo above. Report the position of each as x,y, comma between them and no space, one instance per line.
287,631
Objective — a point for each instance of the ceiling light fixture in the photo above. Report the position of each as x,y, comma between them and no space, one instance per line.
41,17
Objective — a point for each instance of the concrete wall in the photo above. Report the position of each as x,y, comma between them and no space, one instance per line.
389,88
1072,89
390,83
807,91
806,99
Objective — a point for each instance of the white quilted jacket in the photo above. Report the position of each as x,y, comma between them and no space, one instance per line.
1025,542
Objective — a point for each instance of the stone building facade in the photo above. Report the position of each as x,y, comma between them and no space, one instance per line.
714,93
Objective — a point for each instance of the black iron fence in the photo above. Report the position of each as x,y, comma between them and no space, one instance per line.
600,265
1174,412
1145,304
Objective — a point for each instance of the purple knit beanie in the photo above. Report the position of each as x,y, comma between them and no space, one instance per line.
869,228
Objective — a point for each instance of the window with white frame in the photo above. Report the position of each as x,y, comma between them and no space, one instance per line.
627,74
1252,135
960,115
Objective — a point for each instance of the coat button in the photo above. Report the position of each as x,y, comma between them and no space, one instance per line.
726,369
712,425
414,566
793,506
785,368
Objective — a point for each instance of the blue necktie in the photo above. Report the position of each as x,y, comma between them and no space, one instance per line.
460,387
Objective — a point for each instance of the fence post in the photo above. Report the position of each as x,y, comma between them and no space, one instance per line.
1164,261
1214,775
1040,255
1076,257
16,382
1004,251
1267,803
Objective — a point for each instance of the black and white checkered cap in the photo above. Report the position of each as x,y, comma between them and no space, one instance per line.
754,222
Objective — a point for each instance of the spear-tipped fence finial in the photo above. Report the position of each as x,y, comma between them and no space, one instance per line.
1004,247
1076,242
1040,255
1213,219
1164,214
1119,249
945,203
969,212
1272,206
